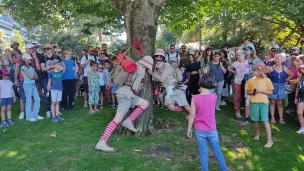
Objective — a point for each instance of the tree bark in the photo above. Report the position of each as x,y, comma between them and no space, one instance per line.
140,19
288,37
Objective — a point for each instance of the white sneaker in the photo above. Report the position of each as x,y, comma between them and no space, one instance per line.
238,115
218,109
48,114
32,120
21,116
39,118
301,131
85,104
60,113
103,146
223,103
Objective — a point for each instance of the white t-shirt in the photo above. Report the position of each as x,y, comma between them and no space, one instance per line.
241,69
6,89
87,68
172,57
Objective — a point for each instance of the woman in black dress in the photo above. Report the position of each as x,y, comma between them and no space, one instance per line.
193,69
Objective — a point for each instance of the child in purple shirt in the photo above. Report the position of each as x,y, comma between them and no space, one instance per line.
202,116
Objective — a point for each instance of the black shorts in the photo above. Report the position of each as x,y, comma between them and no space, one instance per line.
85,84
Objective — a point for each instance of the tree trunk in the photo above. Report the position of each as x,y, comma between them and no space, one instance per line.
140,19
100,35
288,37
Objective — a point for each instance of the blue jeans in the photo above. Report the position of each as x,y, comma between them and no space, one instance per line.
31,91
46,100
219,90
212,137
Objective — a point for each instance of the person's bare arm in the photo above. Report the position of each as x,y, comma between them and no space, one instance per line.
45,68
191,118
289,73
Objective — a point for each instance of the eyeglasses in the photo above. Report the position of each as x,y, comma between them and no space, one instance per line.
59,52
99,68
102,53
172,48
47,48
91,51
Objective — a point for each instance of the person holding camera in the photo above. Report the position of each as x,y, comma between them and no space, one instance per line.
259,88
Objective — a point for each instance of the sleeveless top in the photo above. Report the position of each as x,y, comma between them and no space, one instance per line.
277,77
301,88
205,112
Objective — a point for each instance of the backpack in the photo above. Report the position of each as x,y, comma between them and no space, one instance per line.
95,57
119,75
175,56
14,56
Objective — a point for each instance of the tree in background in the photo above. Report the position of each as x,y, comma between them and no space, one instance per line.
17,37
4,41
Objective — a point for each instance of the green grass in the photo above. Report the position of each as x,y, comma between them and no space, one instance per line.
29,146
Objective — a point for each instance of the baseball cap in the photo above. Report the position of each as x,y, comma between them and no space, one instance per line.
29,45
26,56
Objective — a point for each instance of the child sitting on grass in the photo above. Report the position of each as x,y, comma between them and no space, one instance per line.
7,96
259,87
202,116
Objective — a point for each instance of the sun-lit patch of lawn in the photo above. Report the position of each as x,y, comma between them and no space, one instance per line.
69,145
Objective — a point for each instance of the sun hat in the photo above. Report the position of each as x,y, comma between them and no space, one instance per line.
147,61
48,46
29,45
159,52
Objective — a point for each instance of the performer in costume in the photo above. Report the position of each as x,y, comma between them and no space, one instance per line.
175,98
127,98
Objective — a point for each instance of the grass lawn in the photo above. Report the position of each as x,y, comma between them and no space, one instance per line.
29,146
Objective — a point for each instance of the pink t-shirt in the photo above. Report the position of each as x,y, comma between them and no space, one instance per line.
295,71
6,89
205,112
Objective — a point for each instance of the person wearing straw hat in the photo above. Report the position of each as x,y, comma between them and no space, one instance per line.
175,98
127,98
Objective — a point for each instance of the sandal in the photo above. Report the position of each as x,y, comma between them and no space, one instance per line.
282,121
273,121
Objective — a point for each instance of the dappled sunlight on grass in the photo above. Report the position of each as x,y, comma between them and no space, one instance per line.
274,127
12,153
243,132
300,148
300,157
249,164
295,169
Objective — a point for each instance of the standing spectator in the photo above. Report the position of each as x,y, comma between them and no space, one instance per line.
55,86
278,75
241,68
38,56
193,69
5,61
217,70
295,51
101,80
299,100
69,80
207,57
227,77
19,79
45,64
58,52
259,88
108,81
173,56
183,55
114,86
7,96
12,57
101,57
30,75
85,64
291,95
97,49
202,116
94,88
272,46
104,48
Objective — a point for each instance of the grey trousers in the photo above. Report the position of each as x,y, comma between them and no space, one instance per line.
219,90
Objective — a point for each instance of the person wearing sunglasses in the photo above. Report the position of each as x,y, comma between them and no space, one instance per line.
45,65
174,94
85,65
102,57
173,56
58,52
